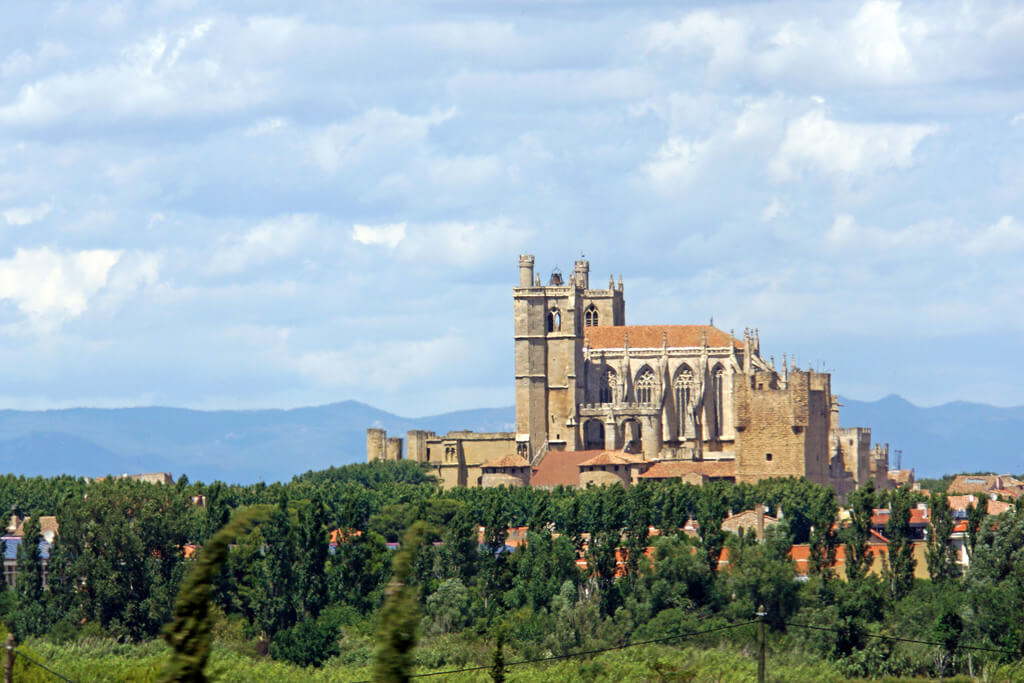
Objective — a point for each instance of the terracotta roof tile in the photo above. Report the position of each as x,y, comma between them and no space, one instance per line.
560,468
654,336
670,469
612,458
507,461
901,476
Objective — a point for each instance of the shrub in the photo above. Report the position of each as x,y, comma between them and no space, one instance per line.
308,643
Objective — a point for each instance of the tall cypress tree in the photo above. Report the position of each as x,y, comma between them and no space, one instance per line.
275,603
30,615
941,555
901,552
400,616
858,561
312,554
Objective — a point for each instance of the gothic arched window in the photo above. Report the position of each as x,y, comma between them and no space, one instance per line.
607,388
554,320
645,386
590,316
717,382
683,386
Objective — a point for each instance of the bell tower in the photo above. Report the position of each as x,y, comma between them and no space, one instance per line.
549,331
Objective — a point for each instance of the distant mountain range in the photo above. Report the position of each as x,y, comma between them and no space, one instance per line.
273,445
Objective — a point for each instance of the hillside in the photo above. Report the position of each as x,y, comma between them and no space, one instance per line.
251,445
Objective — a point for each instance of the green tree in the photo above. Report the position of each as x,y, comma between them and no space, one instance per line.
712,508
312,551
190,633
858,532
275,600
763,574
901,562
358,570
941,555
823,541
399,617
975,516
447,607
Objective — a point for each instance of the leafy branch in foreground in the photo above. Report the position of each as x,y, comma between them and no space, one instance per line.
190,632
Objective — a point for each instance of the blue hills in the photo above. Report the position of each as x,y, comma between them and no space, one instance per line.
245,446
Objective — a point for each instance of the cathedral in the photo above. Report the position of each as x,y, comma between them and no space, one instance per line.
599,401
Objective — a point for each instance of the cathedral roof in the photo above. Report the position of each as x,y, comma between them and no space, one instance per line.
654,336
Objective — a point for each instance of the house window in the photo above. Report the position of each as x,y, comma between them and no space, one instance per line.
590,316
768,457
645,386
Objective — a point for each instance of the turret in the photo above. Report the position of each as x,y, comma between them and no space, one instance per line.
525,270
581,273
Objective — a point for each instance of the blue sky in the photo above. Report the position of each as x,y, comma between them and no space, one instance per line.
253,205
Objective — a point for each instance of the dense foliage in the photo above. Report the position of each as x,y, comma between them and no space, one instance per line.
316,583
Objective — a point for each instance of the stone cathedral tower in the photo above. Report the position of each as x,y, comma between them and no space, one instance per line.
549,324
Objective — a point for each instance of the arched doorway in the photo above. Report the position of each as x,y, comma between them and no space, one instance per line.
593,435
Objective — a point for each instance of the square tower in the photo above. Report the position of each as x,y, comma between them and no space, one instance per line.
548,329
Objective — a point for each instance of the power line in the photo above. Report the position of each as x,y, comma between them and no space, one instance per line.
583,654
43,666
906,640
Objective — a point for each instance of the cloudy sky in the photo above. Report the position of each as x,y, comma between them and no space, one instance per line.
206,207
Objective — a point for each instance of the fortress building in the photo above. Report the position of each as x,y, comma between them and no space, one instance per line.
601,401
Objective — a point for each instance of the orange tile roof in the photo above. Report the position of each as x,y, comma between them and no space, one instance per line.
998,507
612,458
560,468
654,336
670,469
507,461
900,476
961,502
973,483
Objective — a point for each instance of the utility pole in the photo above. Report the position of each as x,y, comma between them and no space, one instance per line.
761,614
9,659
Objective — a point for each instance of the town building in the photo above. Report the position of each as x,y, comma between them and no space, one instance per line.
642,398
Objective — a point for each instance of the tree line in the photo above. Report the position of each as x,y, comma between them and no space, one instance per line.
120,557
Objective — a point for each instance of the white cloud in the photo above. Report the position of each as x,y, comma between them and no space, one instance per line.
375,133
265,126
270,240
675,165
464,244
814,142
774,209
160,76
704,31
383,235
877,34
387,364
20,63
1005,235
1017,118
51,286
26,215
